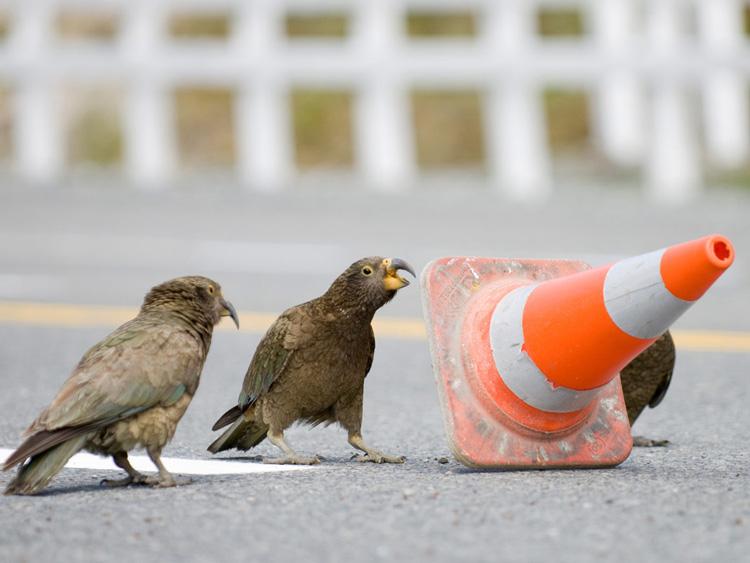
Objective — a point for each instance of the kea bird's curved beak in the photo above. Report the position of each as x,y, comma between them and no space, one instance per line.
392,281
228,310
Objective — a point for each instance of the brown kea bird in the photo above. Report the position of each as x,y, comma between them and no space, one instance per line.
311,365
645,381
129,390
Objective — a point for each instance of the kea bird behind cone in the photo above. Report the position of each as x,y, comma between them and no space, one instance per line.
311,365
129,390
645,381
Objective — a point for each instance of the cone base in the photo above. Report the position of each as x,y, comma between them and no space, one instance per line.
480,434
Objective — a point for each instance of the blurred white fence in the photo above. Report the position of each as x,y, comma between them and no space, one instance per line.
648,65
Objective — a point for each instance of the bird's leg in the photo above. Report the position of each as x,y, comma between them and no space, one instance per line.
642,442
290,456
165,478
134,477
349,415
374,456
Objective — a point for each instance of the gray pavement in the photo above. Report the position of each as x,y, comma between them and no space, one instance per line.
690,501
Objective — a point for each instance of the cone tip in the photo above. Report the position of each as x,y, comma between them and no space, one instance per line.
690,268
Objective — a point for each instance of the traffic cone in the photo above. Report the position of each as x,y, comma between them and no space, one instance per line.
527,353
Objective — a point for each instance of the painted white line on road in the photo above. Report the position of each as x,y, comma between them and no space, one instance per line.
173,464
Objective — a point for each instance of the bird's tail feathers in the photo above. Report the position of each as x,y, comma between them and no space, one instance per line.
243,435
227,418
43,440
37,472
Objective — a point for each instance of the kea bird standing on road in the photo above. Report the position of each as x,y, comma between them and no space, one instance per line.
311,365
645,381
129,390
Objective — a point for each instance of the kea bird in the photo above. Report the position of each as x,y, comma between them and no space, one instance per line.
130,390
645,381
311,365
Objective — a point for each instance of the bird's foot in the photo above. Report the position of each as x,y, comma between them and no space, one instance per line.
292,460
114,483
642,442
138,479
374,456
165,482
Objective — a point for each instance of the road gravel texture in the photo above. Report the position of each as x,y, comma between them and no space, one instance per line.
687,502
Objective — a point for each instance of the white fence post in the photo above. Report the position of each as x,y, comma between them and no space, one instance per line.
619,106
725,97
262,123
37,130
149,124
381,66
517,144
673,170
384,139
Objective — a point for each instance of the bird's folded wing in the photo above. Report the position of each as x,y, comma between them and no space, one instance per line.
291,332
371,351
138,366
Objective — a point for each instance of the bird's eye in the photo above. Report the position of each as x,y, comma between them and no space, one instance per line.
367,271
211,290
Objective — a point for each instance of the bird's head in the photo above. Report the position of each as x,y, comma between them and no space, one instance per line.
196,297
371,282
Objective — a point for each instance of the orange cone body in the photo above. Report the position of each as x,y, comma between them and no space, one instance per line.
527,352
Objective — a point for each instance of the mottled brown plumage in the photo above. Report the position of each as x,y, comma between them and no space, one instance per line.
645,381
129,390
311,365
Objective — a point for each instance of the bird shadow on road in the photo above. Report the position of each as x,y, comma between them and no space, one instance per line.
64,490
97,487
245,458
261,458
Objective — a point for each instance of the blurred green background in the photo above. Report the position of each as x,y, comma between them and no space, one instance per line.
448,125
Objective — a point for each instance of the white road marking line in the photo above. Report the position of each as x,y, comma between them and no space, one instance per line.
173,464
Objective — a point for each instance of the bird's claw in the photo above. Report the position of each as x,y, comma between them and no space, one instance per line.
167,482
642,442
377,457
114,483
292,460
156,481
150,481
125,482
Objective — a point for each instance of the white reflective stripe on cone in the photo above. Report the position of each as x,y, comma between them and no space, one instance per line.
517,370
637,299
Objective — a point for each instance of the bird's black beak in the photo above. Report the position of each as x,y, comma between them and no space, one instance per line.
392,281
228,310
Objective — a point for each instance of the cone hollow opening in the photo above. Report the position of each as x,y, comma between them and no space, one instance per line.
721,252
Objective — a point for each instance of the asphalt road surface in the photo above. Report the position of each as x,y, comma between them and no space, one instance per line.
105,248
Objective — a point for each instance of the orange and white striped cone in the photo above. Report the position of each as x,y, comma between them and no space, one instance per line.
527,353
